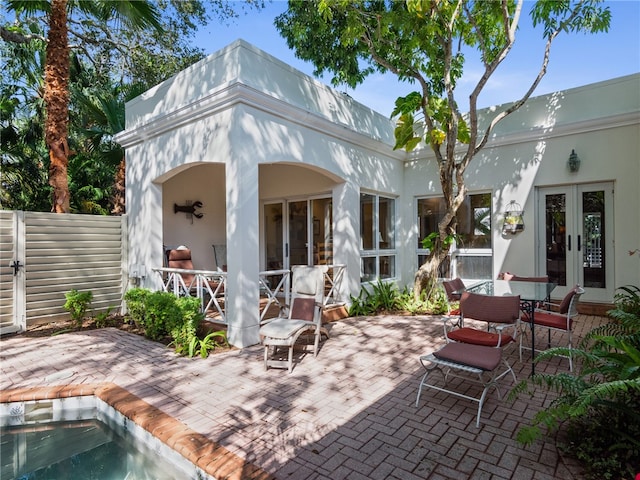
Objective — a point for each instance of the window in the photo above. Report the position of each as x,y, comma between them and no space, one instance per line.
470,257
377,237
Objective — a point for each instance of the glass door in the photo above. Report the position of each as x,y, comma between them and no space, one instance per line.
287,235
577,238
274,239
298,233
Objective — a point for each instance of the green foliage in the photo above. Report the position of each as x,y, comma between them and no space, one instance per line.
202,346
156,312
435,305
115,44
77,304
385,297
382,297
185,331
432,241
601,402
136,300
101,318
162,314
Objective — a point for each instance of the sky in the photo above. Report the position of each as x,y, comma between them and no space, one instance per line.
576,59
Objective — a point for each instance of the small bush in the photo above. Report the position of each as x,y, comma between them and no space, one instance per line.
436,305
77,304
136,300
102,318
385,297
202,346
162,314
187,330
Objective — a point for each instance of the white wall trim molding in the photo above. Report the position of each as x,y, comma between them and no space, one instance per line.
229,95
546,132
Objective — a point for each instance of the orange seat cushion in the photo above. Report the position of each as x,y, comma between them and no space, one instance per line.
478,337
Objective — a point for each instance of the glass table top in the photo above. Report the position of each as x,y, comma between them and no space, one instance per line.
528,291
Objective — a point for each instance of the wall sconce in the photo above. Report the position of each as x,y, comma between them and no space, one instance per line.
574,162
513,221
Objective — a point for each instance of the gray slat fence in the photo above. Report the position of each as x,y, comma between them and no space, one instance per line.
58,253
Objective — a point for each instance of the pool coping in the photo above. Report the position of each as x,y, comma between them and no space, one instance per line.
208,455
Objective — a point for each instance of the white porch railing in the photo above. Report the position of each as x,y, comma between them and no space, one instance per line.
207,285
276,293
210,287
333,279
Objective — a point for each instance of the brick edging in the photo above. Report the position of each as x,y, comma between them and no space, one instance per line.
208,455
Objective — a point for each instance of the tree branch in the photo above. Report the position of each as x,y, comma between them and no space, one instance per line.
541,73
16,37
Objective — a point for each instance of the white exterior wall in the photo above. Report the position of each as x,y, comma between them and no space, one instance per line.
530,149
241,128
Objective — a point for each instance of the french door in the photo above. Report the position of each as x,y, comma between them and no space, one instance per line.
298,232
575,238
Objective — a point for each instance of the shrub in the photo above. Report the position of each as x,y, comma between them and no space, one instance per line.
436,305
77,304
102,318
136,300
162,314
187,329
385,296
601,402
382,297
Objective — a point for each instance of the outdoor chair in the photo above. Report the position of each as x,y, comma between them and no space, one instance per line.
501,315
304,317
180,258
220,255
453,288
462,360
557,318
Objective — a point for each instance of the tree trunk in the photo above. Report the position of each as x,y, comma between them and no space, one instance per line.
56,97
426,278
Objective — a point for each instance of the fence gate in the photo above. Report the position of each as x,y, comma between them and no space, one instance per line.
11,276
45,255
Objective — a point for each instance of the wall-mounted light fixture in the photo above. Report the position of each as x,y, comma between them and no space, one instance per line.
513,221
574,162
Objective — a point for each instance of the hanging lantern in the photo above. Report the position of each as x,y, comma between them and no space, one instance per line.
513,218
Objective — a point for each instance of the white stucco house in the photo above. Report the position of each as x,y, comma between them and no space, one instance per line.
290,171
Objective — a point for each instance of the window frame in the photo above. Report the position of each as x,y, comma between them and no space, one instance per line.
380,255
455,253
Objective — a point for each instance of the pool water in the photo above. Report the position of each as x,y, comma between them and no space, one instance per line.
84,449
83,438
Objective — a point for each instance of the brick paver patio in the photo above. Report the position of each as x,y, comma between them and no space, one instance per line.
347,414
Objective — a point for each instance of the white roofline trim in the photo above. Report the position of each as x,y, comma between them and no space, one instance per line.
547,132
226,96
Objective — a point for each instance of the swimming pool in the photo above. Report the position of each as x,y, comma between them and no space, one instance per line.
83,437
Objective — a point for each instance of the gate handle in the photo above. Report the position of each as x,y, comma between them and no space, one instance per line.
16,267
